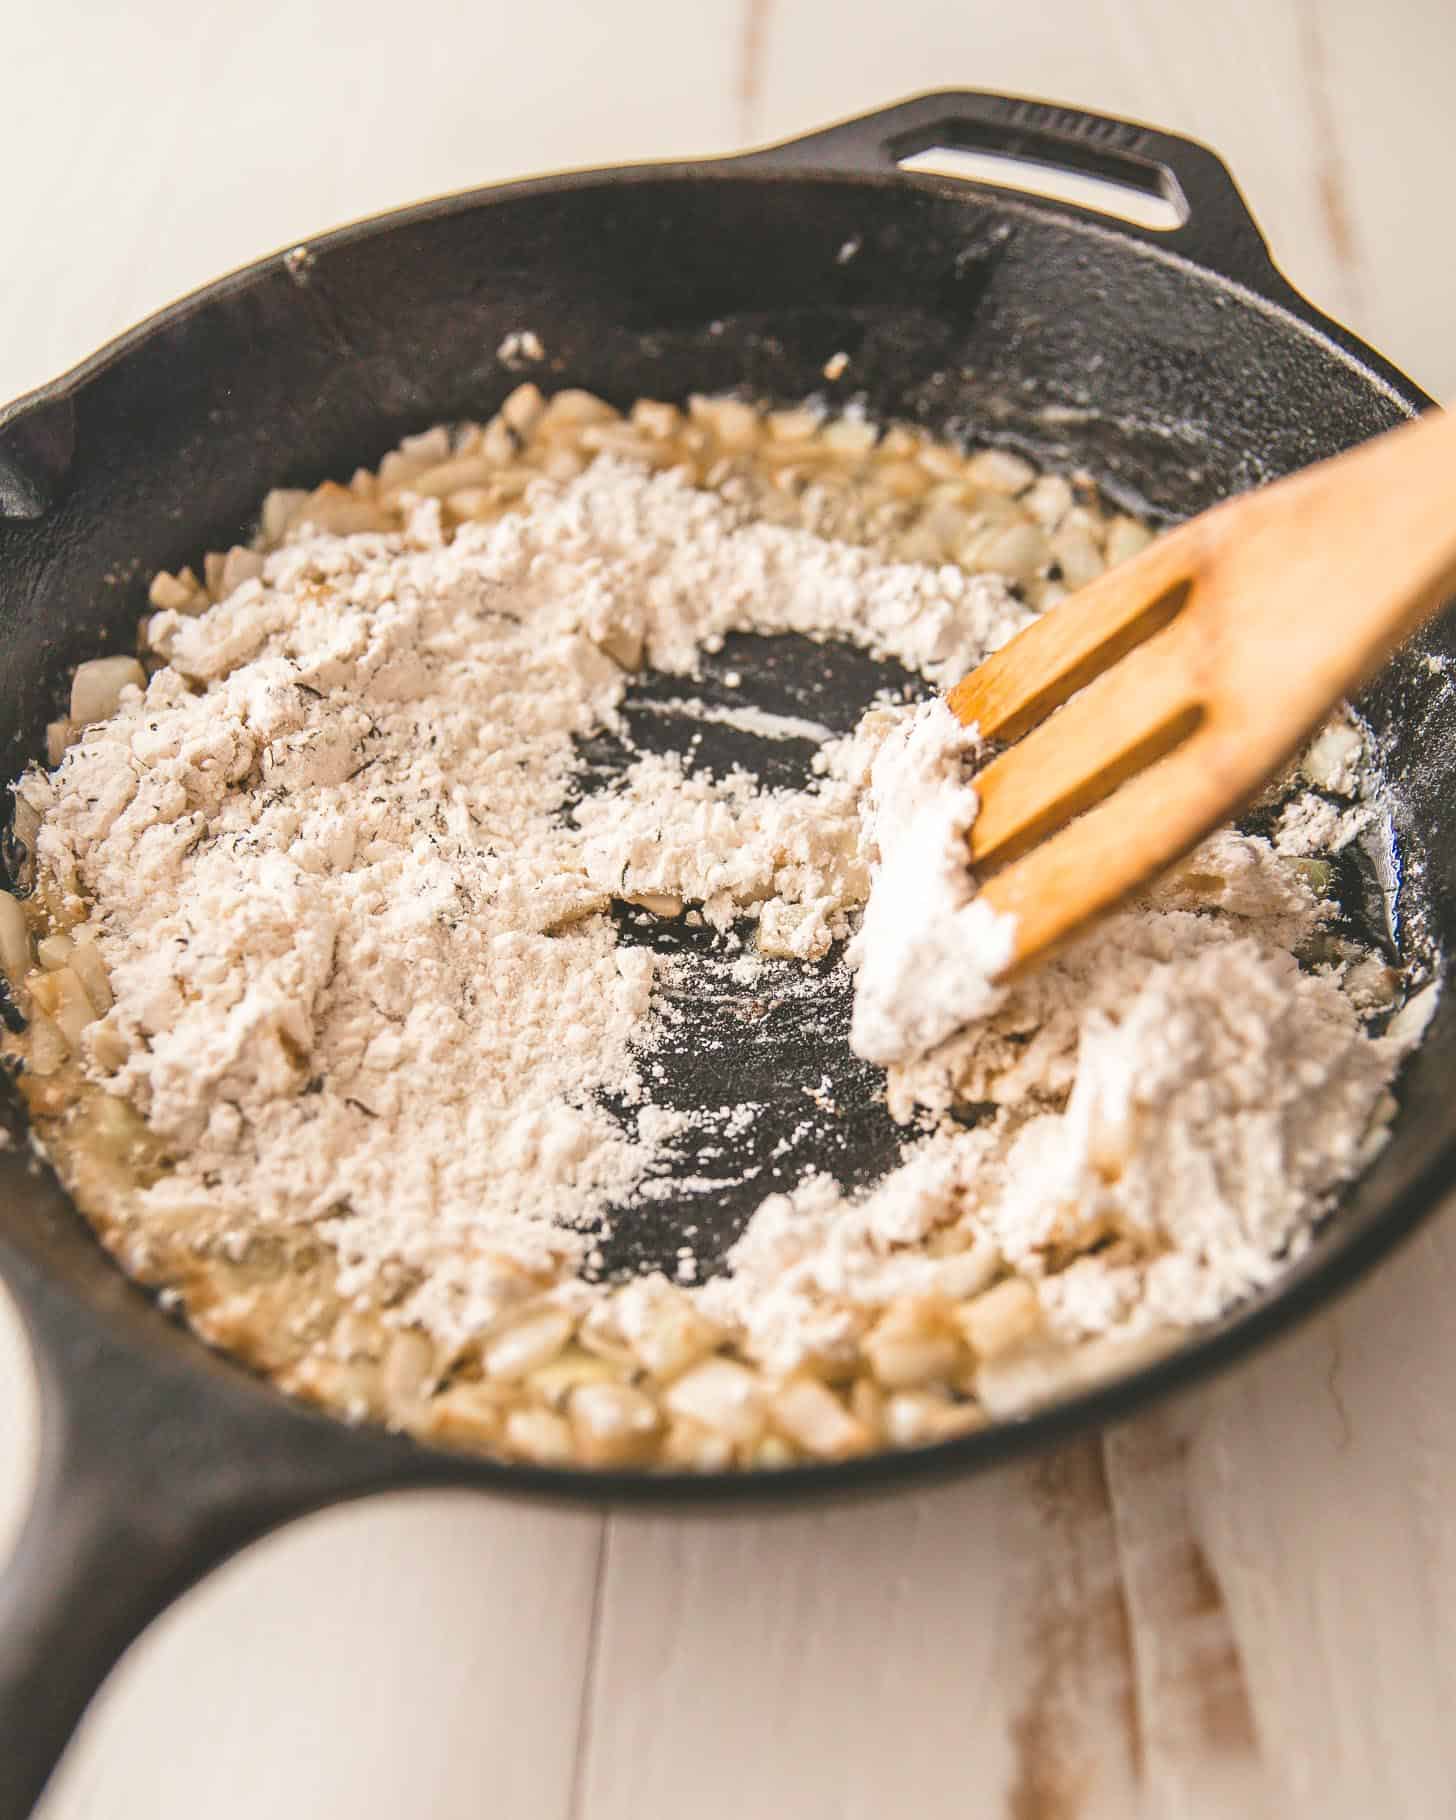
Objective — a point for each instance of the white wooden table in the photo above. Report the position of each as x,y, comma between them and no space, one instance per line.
1243,1605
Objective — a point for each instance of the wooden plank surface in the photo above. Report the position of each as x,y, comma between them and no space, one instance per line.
1245,1604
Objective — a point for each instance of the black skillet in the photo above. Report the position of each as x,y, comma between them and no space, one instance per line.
1178,366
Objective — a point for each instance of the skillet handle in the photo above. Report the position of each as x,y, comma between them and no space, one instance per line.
84,1580
153,1470
1217,230
104,1548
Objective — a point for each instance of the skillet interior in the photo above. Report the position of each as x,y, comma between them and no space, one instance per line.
1020,323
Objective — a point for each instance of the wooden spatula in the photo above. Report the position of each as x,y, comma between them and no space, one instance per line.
1151,705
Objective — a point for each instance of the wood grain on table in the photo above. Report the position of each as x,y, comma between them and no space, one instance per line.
1240,1604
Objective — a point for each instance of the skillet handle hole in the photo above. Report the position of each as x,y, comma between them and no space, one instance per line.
1146,195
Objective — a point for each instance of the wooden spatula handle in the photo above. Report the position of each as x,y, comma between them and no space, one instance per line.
1187,677
1302,590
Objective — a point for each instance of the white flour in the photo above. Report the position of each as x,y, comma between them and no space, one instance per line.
928,950
746,719
1173,1095
363,980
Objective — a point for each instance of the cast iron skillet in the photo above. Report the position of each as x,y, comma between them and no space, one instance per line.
1179,366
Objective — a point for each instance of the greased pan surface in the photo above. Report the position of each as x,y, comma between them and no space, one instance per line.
1177,367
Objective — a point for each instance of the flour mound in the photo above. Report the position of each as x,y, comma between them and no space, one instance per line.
365,980
362,975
